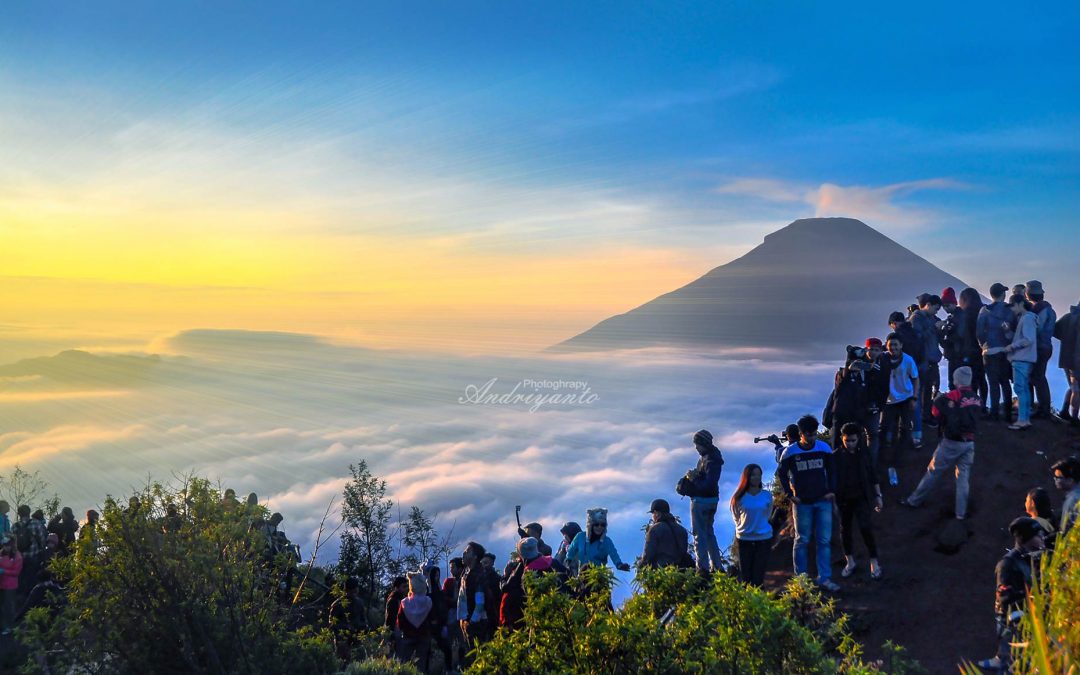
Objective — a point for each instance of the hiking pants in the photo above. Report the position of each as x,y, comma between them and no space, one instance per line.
958,455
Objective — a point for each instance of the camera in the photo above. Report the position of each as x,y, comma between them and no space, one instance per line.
854,352
773,438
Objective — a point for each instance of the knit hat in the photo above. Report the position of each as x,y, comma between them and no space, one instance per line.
1025,528
703,437
873,342
528,548
948,296
962,376
1034,288
659,506
997,289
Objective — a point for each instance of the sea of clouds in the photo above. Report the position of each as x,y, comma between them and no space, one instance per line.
283,415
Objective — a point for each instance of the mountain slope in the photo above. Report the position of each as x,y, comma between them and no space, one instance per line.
817,282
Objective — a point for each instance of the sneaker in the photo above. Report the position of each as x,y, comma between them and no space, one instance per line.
903,501
916,441
993,664
875,569
849,568
1019,426
829,585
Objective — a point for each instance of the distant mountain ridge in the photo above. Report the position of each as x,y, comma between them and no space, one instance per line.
811,287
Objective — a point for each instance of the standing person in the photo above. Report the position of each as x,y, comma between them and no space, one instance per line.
896,420
1022,352
991,330
808,480
1067,331
11,564
569,530
1037,505
948,336
5,521
453,626
957,412
702,485
1067,479
30,536
1045,318
439,606
847,402
913,346
398,590
857,488
965,343
536,531
65,527
478,593
1014,577
667,542
414,622
926,324
593,546
751,506
530,559
877,365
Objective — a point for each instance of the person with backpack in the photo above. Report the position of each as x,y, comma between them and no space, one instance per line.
751,505
957,412
702,485
30,538
667,543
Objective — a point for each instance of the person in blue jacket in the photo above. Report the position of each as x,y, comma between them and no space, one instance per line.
702,485
593,546
994,321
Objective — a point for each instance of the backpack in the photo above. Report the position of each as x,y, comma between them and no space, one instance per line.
22,536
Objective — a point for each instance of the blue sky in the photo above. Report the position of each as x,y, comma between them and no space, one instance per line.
521,131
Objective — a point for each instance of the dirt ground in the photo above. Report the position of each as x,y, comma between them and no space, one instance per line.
940,606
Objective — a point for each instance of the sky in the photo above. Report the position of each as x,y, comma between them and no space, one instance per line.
331,219
491,177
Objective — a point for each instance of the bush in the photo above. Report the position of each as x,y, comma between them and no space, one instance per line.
195,591
1051,633
678,623
380,666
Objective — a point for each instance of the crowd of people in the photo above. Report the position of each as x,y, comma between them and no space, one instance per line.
888,392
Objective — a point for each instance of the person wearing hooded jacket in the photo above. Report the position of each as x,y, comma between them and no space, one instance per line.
666,541
415,620
569,530
1023,354
991,328
847,402
702,485
593,546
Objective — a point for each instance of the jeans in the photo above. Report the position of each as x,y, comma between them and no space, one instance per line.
856,509
998,372
753,559
814,519
1022,384
949,454
702,514
1039,383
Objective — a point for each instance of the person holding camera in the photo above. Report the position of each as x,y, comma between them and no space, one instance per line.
847,402
702,485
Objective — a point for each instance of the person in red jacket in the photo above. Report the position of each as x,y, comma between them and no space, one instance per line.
11,564
414,620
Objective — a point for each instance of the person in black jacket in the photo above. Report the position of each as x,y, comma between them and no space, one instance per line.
666,540
1014,577
702,485
847,402
857,487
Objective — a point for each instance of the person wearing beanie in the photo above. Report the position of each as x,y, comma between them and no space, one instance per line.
702,485
1022,352
994,322
957,412
1045,319
666,541
1014,577
948,299
414,620
530,559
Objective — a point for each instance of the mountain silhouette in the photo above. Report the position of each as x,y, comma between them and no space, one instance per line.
811,287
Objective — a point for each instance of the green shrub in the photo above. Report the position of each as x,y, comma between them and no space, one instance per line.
380,666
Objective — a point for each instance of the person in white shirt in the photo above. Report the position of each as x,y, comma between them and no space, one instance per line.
896,419
751,506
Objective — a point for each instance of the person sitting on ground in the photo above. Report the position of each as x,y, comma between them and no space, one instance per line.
414,617
857,488
897,418
751,506
809,481
666,540
1045,319
1067,479
991,329
1022,352
1037,505
702,485
593,546
1014,578
569,530
535,530
958,413
1067,331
